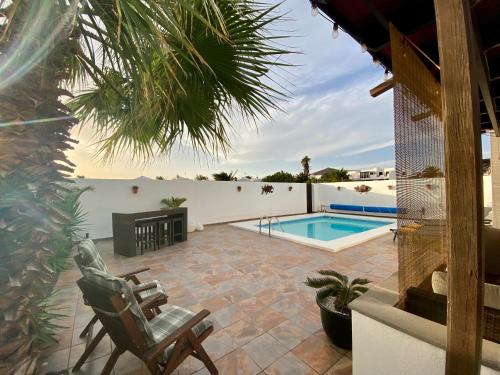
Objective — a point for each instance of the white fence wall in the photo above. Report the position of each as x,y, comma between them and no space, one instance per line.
215,202
208,202
380,194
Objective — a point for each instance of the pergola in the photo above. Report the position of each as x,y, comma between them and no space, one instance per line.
458,42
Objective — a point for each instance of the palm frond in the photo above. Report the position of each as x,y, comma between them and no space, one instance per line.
173,202
215,63
322,282
359,281
335,274
326,292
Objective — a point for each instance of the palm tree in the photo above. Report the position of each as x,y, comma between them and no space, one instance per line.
153,81
224,176
305,165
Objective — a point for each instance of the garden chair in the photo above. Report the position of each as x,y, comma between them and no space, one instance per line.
163,343
88,256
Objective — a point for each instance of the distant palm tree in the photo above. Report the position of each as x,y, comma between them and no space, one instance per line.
200,177
305,165
224,176
158,72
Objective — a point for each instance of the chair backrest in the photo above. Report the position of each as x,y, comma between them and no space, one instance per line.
114,303
88,256
426,304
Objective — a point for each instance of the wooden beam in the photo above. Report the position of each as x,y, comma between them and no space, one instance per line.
408,32
378,15
464,191
381,88
484,86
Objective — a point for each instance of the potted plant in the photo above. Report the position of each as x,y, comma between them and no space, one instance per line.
362,188
290,188
238,188
172,202
334,294
135,189
267,189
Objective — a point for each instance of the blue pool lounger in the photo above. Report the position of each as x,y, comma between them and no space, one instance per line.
370,209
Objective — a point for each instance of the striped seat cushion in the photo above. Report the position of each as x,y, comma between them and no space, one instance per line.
91,256
119,285
172,318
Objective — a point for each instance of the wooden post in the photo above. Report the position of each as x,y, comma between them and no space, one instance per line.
464,186
309,197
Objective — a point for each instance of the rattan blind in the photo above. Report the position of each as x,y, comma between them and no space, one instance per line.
420,167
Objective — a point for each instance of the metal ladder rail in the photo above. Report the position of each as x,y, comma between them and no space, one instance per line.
270,220
279,223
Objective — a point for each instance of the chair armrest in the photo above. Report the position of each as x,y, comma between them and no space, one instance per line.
131,275
159,348
137,288
154,300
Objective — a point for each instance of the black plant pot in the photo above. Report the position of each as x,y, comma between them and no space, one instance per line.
337,326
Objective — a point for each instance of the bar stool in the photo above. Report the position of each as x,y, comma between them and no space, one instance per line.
146,234
164,232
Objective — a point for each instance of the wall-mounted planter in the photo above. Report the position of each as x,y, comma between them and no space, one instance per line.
391,187
267,189
362,188
339,188
290,188
135,189
429,186
238,188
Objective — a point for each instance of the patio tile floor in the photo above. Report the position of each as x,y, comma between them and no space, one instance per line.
266,320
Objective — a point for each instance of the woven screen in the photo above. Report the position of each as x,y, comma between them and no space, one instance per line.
420,167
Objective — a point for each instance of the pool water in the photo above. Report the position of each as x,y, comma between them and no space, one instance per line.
325,228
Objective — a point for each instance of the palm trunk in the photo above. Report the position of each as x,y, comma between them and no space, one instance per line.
32,166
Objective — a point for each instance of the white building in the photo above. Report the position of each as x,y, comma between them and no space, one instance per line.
376,173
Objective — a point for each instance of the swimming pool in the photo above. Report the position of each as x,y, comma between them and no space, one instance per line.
325,228
331,232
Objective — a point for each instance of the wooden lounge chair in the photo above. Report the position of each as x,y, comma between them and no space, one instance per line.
163,343
88,256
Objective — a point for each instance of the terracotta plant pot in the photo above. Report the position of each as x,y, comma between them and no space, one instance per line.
135,189
290,188
238,188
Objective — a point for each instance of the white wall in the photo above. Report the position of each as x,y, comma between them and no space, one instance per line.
380,194
208,202
380,349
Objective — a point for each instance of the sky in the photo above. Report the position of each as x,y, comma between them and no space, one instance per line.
330,117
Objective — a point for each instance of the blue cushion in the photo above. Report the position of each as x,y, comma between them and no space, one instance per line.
372,209
346,207
382,210
375,209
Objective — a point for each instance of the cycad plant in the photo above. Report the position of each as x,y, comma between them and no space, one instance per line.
172,202
336,291
155,72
